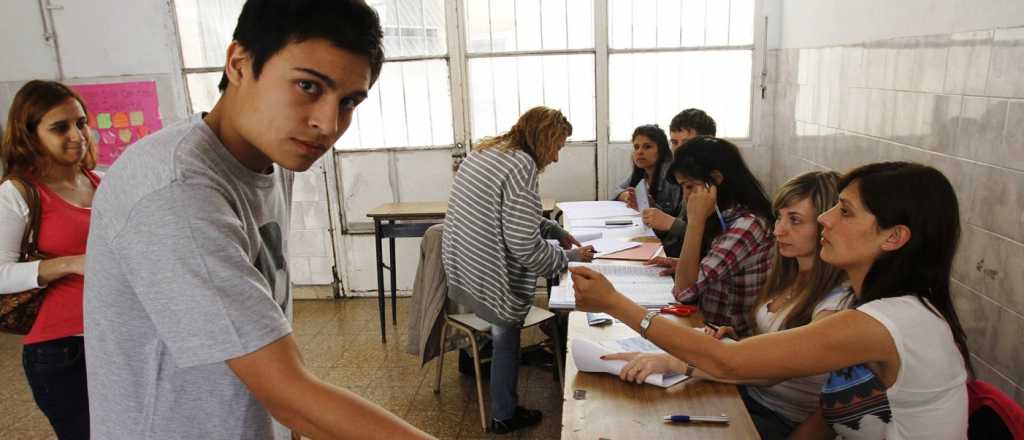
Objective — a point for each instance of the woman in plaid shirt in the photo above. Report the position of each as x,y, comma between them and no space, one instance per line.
725,258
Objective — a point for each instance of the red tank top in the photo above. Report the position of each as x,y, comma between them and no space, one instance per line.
63,229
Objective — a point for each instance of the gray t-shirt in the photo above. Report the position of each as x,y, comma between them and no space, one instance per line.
186,269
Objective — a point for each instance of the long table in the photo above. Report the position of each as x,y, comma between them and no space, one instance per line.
601,406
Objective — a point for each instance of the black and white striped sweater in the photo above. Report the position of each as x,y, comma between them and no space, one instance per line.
493,246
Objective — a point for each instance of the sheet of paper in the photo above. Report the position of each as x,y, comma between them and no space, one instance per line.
610,245
605,223
641,284
584,236
643,200
596,209
587,357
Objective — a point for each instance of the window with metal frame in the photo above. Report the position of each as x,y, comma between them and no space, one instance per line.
410,106
525,53
669,55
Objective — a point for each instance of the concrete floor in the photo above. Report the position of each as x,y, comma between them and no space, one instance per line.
340,342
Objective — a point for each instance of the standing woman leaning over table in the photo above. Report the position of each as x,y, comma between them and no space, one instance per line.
48,146
898,360
801,288
494,244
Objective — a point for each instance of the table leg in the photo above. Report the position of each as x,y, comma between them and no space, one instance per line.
394,277
380,278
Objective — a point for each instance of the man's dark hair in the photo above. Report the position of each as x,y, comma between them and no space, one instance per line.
696,119
267,26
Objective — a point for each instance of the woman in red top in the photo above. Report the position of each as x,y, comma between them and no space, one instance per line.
47,143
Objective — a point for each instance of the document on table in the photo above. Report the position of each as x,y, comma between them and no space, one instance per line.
596,209
603,246
643,202
642,284
587,357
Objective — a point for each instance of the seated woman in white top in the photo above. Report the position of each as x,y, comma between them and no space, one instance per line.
898,361
800,289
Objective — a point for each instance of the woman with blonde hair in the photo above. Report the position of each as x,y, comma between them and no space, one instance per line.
494,244
801,288
47,149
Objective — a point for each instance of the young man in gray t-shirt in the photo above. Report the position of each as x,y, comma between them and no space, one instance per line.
187,291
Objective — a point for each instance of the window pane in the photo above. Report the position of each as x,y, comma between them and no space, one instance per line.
528,25
669,32
206,27
692,21
202,90
741,24
645,21
716,22
502,88
620,24
648,88
412,27
409,106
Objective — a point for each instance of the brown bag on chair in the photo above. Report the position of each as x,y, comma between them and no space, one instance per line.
18,310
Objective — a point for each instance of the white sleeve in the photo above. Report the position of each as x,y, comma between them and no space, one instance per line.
14,276
835,300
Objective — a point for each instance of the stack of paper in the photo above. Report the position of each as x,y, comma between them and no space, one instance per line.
596,209
603,246
642,284
587,357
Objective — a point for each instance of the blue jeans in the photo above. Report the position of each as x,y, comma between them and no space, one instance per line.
771,425
504,371
56,374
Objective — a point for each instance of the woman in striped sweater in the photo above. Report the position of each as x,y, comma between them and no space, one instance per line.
494,244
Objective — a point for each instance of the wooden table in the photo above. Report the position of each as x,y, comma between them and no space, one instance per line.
413,219
613,409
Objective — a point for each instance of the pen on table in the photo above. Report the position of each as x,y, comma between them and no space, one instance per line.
717,211
687,419
618,222
711,326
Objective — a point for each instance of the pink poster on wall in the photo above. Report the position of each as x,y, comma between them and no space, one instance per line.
120,114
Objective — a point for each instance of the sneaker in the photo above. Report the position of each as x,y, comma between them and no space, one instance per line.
522,419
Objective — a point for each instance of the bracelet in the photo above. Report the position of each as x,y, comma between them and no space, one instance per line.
646,322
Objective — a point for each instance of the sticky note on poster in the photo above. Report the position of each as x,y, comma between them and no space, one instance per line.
121,114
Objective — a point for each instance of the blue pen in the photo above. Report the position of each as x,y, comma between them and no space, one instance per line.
721,219
688,419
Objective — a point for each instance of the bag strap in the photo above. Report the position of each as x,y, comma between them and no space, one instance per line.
30,239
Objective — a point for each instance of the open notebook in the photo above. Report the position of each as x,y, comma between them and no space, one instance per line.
587,357
642,284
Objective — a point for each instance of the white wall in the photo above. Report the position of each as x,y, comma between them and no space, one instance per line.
819,23
99,41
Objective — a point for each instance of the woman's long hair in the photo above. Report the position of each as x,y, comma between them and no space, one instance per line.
536,132
922,199
701,156
21,151
820,188
656,134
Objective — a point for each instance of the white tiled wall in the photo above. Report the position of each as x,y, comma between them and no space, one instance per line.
955,102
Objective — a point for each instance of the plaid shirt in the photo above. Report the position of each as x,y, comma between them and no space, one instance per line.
733,272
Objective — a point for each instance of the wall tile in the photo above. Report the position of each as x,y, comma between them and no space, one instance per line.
938,120
1006,72
1006,356
976,315
981,130
309,184
967,69
311,243
1010,153
856,110
320,270
298,269
998,201
853,66
875,65
805,103
905,118
930,63
991,265
881,112
906,56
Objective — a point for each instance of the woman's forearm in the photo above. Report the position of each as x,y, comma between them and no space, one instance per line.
54,269
688,265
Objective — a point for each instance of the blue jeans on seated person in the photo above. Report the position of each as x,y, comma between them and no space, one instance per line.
504,371
56,374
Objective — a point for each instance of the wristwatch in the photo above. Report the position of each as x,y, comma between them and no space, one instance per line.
646,322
